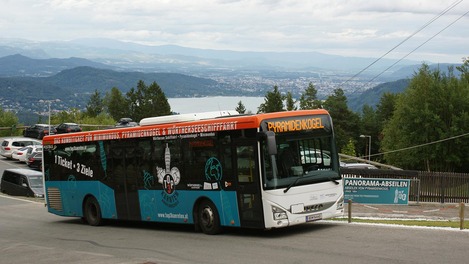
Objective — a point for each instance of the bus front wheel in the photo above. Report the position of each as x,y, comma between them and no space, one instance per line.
93,212
209,220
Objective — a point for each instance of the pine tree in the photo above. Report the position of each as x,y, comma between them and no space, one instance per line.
147,101
309,99
273,102
290,103
345,121
240,108
116,104
95,105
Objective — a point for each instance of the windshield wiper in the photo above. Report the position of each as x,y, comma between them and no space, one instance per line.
293,183
334,181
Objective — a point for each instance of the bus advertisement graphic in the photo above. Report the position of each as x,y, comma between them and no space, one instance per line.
169,178
377,191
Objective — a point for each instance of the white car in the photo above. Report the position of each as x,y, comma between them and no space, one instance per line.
358,166
20,154
315,157
33,150
11,144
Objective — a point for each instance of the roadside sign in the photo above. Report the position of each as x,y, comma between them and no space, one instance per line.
377,191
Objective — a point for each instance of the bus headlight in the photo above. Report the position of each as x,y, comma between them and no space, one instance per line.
340,203
278,213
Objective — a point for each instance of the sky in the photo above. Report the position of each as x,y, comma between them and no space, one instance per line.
423,30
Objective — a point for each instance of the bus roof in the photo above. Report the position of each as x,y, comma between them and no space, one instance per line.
185,117
172,125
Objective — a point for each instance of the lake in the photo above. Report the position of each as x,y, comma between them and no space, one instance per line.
209,104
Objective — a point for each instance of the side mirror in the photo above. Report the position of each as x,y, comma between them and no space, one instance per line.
271,142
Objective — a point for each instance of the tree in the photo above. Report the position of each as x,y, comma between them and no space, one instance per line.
309,99
433,108
95,105
240,108
290,103
369,125
345,121
116,104
73,115
385,108
349,149
157,104
146,101
8,119
273,102
101,121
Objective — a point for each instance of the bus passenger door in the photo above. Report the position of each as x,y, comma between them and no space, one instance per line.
125,173
249,197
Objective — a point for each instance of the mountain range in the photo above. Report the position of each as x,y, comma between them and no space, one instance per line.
71,71
74,85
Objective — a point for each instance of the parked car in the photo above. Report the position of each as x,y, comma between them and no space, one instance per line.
20,154
22,182
33,150
11,144
315,157
39,131
68,128
126,122
35,161
358,166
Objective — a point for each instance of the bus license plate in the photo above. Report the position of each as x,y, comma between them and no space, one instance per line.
313,217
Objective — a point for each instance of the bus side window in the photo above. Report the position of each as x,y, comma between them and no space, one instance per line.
246,164
227,162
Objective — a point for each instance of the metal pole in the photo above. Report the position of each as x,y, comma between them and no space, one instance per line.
369,145
49,118
369,148
350,210
461,215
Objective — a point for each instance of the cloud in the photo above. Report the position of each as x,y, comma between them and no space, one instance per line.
257,25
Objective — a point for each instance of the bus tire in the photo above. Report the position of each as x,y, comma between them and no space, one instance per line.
92,212
208,218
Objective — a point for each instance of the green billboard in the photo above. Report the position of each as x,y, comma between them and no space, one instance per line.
377,191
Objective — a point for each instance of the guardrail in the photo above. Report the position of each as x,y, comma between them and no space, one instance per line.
14,129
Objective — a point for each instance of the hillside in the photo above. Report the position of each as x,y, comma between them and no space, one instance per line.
372,96
19,65
72,87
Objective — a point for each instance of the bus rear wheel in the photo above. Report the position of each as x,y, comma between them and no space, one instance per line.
209,221
92,212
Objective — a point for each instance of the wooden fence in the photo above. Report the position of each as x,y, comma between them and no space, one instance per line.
441,187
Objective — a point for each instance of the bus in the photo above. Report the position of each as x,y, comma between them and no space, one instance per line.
212,170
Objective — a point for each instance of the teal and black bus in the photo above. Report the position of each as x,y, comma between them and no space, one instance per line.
211,170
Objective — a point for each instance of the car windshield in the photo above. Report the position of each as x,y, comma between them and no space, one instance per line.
35,181
300,161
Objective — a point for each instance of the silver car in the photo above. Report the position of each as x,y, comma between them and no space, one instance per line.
11,144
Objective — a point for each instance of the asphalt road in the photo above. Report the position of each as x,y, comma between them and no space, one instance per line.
31,235
28,234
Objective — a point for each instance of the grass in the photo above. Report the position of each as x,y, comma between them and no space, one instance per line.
406,222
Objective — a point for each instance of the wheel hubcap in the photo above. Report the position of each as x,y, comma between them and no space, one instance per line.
207,216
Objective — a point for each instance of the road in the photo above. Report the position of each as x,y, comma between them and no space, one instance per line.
28,234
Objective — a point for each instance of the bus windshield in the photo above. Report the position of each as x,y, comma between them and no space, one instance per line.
299,161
